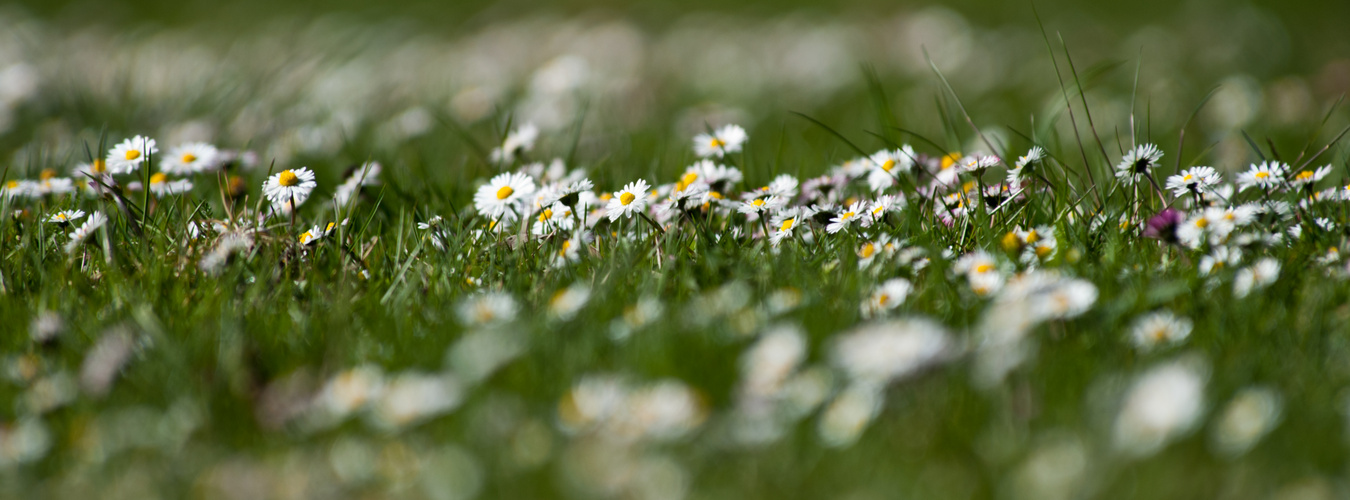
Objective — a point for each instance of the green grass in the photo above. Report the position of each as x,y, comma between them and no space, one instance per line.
214,398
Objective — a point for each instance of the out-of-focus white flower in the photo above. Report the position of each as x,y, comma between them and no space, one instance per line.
728,139
1257,276
412,397
488,308
1159,328
1163,404
520,140
878,353
1249,416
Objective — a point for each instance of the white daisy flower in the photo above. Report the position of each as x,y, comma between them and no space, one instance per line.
1164,403
161,186
783,224
518,141
190,158
21,189
727,139
1035,154
56,186
289,187
978,163
85,231
886,297
761,205
553,218
1197,180
784,185
1259,275
1159,328
628,201
1218,258
1310,177
1265,175
885,165
981,272
843,220
504,197
315,233
881,206
66,216
368,174
127,156
1138,163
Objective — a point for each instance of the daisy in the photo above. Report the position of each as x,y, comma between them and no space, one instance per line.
1197,180
555,217
1218,258
846,218
161,186
976,164
727,139
882,206
518,141
1258,275
56,186
631,199
762,205
126,157
1163,404
1265,175
21,189
1159,328
719,178
785,222
289,186
981,272
190,158
886,297
368,174
1034,155
784,185
503,198
314,234
1310,177
78,236
66,216
886,164
1138,163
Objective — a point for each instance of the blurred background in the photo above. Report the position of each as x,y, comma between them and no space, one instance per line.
303,81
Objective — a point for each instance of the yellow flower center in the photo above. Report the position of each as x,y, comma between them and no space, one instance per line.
1043,251
888,165
878,210
847,216
685,180
1306,174
787,224
545,215
883,299
158,178
47,173
329,227
189,157
12,184
566,245
1187,178
716,143
98,166
983,268
1011,242
606,196
759,202
1159,334
133,154
950,159
1202,223
61,217
867,251
505,192
288,178
1262,175
1032,237
304,237
717,195
627,198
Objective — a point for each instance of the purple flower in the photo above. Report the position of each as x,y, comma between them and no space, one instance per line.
1163,226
